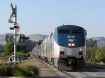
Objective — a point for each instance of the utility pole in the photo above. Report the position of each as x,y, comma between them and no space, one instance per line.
16,28
15,33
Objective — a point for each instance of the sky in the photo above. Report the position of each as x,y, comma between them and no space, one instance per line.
43,16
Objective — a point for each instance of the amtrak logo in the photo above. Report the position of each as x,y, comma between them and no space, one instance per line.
70,36
71,40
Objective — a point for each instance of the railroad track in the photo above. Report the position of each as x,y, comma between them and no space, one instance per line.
88,72
95,65
85,74
94,68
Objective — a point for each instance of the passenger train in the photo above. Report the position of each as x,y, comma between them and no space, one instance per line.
64,48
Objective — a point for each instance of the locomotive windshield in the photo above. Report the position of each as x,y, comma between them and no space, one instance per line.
77,32
66,35
66,31
63,31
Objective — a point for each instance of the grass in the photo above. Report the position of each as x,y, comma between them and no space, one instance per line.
19,71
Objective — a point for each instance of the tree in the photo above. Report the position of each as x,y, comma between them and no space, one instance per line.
1,48
30,45
91,43
100,55
8,48
22,47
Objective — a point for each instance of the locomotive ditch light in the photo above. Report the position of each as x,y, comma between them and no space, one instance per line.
80,49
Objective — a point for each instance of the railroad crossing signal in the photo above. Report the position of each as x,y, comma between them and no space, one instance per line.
13,10
15,28
13,14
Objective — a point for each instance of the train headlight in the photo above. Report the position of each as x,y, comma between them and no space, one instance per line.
73,44
69,44
80,49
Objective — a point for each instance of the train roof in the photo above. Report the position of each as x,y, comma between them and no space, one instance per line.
69,27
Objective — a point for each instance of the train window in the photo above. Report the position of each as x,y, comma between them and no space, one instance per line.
63,31
76,32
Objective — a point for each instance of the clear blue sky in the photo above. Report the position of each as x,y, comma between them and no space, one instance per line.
42,16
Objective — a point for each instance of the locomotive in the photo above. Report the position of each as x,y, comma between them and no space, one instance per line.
64,48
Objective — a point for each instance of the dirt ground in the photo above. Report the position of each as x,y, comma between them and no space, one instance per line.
3,60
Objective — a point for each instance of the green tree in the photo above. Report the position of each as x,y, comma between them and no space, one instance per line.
100,55
8,48
29,44
22,47
1,48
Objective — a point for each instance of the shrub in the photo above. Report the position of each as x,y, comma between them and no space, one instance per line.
31,71
90,54
19,71
100,55
22,55
27,71
5,70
